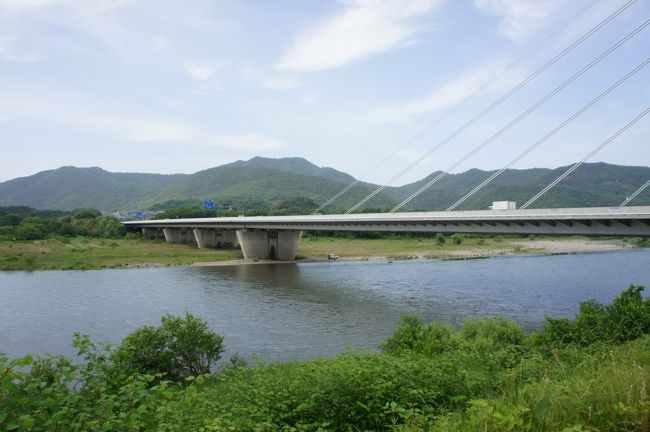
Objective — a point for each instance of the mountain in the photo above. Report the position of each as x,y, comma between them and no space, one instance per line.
251,184
68,187
259,182
592,184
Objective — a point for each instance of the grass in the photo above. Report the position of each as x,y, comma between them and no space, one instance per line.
400,248
81,253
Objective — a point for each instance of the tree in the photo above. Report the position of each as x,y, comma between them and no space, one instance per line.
179,348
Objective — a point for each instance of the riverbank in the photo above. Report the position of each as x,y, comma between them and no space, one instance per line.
584,374
82,253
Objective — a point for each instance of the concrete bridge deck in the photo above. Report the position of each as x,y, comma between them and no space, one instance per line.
278,237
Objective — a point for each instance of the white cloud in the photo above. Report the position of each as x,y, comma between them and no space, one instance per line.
365,27
448,95
201,72
518,17
133,127
9,52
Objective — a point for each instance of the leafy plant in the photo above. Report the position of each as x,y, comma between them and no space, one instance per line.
179,348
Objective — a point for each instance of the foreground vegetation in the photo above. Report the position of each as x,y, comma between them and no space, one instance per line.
587,374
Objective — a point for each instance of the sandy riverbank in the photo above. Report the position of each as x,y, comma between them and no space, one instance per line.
550,246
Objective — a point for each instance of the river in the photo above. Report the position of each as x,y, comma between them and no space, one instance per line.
292,311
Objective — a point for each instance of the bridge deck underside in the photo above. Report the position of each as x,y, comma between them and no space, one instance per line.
626,227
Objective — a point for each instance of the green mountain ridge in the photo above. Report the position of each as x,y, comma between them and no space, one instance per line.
259,182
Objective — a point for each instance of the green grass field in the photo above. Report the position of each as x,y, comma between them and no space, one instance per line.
81,253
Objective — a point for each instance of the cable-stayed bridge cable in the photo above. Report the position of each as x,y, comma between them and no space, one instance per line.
547,65
464,101
547,136
637,192
593,152
523,114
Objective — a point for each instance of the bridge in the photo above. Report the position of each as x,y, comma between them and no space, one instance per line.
278,237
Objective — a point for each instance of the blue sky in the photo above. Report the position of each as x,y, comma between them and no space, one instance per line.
171,86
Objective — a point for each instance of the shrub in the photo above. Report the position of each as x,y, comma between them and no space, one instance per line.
457,238
110,227
493,331
412,336
30,229
179,348
440,239
626,318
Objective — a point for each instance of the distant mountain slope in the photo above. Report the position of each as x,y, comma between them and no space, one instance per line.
67,188
259,182
252,185
595,184
296,165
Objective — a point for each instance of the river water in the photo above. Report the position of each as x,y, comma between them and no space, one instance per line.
290,311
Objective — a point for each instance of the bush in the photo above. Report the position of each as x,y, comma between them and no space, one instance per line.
440,239
626,318
179,348
411,336
494,332
110,227
457,238
31,229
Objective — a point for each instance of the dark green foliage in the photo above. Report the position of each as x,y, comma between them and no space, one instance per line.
32,228
626,318
10,219
86,214
457,238
45,224
110,227
493,332
440,239
294,206
411,335
179,348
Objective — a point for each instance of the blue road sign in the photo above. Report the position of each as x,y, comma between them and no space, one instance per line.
209,204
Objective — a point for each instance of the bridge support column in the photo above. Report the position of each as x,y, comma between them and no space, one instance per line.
179,235
153,233
215,238
281,245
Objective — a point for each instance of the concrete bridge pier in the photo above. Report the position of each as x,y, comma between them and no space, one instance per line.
215,238
179,235
153,233
281,245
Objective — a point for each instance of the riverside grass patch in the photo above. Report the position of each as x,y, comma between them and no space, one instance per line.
486,375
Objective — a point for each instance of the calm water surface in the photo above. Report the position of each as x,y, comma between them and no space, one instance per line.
285,311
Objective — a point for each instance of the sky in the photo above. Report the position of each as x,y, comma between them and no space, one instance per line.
181,86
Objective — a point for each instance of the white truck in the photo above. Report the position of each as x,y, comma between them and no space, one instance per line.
503,205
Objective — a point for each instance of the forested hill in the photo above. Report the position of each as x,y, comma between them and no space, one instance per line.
262,182
68,188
